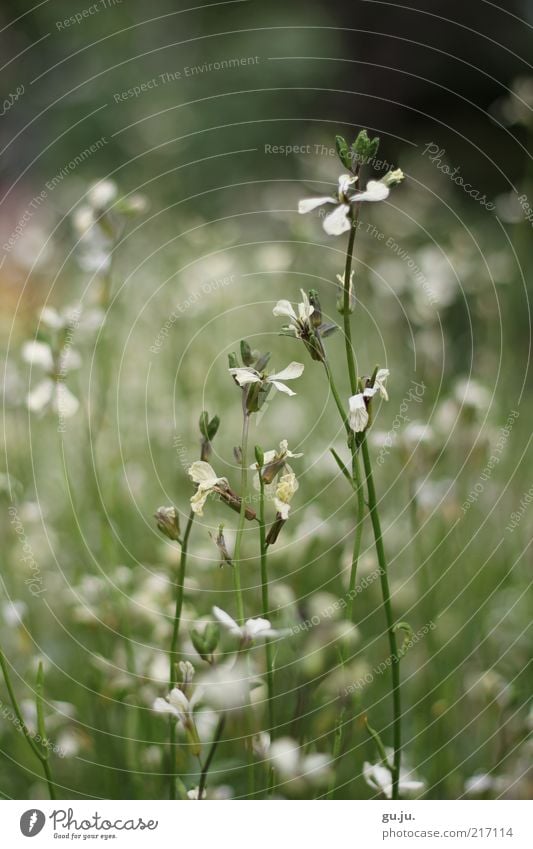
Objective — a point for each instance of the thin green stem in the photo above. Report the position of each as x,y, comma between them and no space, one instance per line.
350,359
25,730
358,534
173,653
242,517
173,656
357,484
266,604
385,590
337,745
211,755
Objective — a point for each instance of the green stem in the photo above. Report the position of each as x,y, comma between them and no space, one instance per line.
266,604
25,730
357,484
337,744
358,535
385,590
242,517
211,755
173,653
346,305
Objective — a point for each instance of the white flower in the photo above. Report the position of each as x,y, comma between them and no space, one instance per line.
253,629
338,221
379,382
194,793
102,193
177,704
285,489
71,317
51,392
275,456
291,764
379,777
203,474
38,354
227,686
246,375
300,322
358,413
261,744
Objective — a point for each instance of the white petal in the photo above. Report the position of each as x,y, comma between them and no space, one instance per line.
41,396
101,194
64,403
226,620
244,376
283,508
292,371
309,204
375,190
358,413
38,354
337,222
284,308
198,500
257,626
203,473
162,706
345,182
179,701
282,388
51,318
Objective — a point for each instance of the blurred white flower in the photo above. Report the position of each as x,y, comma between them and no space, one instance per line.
338,221
102,194
51,392
227,686
286,486
194,793
291,764
469,393
252,630
261,744
358,413
203,474
246,374
379,777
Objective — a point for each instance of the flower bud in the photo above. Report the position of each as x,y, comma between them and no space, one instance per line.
259,456
364,149
168,522
316,315
343,151
205,643
393,177
246,353
232,360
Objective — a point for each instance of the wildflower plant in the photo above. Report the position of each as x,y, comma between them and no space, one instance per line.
274,481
